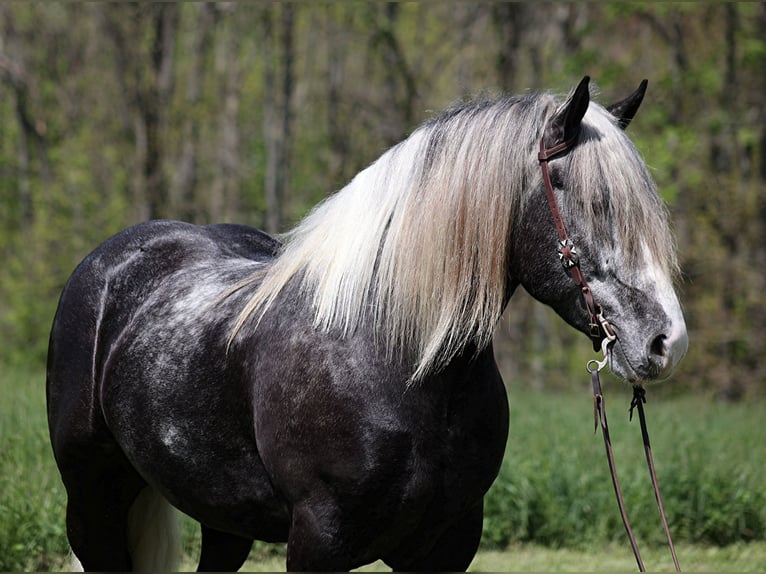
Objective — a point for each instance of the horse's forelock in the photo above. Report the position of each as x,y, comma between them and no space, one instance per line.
615,197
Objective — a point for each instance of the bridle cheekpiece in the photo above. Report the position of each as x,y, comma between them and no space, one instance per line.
601,332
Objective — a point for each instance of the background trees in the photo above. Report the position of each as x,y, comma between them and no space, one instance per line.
252,112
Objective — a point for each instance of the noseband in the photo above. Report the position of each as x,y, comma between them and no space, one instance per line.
603,336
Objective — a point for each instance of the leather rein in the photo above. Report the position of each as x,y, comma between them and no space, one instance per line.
603,336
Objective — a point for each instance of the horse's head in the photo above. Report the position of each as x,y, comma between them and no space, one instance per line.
619,226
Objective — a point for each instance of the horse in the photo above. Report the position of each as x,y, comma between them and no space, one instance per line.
336,388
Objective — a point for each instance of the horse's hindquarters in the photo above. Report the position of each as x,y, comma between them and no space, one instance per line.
136,374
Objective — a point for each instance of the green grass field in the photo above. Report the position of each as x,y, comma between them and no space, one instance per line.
551,509
608,558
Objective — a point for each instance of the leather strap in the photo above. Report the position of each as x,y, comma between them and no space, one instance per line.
599,415
567,252
639,398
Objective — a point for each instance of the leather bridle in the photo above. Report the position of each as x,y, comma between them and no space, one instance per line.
567,252
603,336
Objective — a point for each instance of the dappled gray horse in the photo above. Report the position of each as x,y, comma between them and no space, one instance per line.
338,391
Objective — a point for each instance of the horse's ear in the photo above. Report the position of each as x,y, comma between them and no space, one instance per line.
565,125
626,109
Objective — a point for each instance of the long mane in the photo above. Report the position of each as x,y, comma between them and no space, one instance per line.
416,245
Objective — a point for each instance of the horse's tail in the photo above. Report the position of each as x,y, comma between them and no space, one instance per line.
154,539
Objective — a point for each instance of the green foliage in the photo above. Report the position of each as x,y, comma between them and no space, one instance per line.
554,486
32,531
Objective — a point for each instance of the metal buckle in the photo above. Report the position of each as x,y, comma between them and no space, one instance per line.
609,337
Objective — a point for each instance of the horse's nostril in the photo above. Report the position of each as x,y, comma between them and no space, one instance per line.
658,347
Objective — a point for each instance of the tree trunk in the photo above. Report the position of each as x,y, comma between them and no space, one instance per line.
22,156
184,190
508,20
31,128
277,109
399,81
224,200
147,84
154,108
337,129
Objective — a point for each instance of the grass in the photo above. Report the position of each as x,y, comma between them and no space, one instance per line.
605,558
554,486
32,531
551,508
618,558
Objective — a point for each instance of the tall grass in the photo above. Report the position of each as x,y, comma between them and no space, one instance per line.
554,487
32,501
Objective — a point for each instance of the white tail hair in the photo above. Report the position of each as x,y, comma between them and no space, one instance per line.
154,539
74,564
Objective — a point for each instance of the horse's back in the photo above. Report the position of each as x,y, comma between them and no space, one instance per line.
115,278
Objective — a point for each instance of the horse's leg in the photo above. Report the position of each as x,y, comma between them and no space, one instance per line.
111,524
98,505
313,545
222,552
453,551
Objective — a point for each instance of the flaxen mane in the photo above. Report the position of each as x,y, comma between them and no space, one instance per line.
418,242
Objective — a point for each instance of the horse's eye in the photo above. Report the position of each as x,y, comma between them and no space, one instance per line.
557,177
